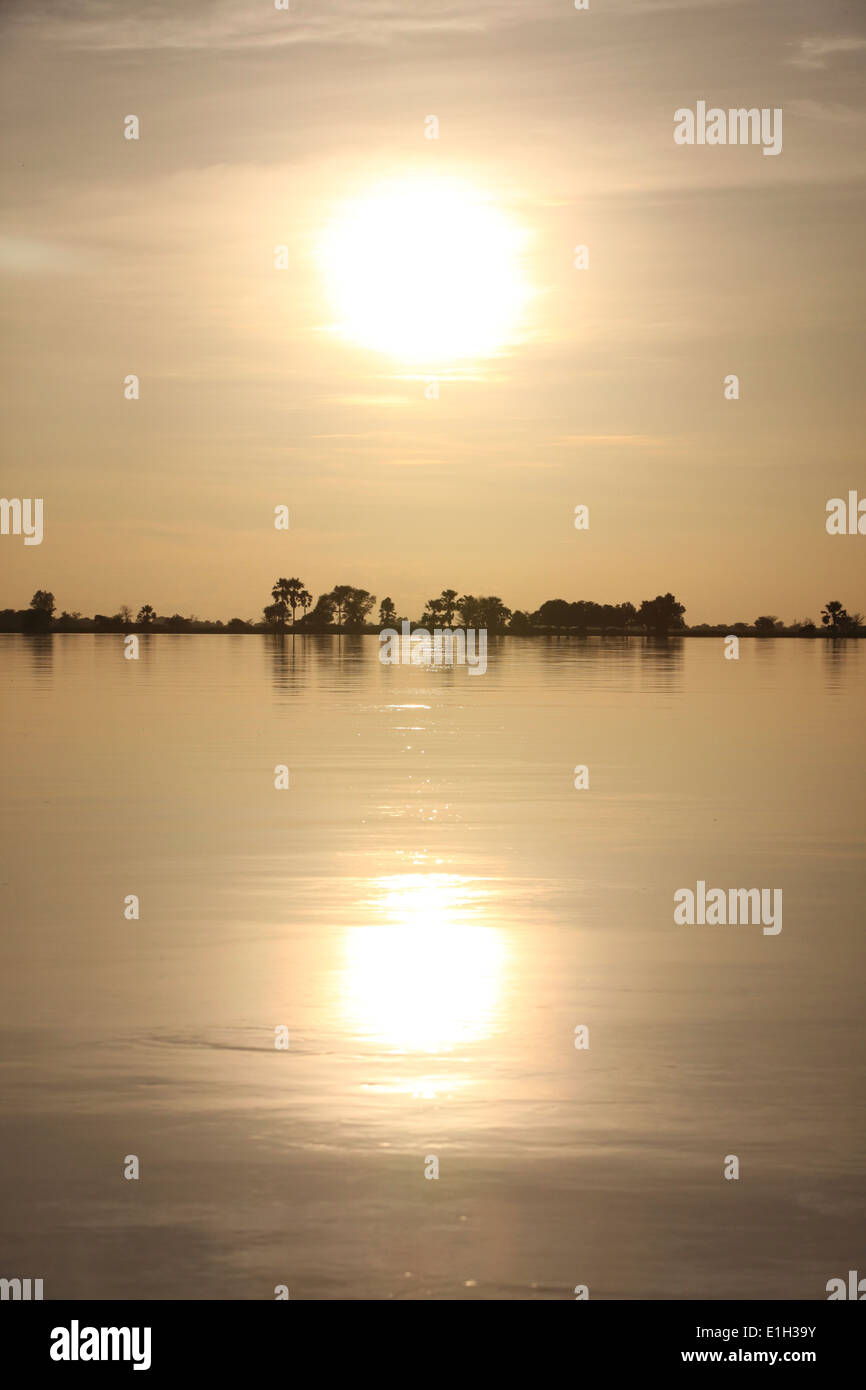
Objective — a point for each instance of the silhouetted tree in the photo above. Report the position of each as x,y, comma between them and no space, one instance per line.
767,625
489,613
387,613
290,592
146,615
440,611
275,615
555,612
43,602
492,614
584,614
467,607
520,622
339,599
661,613
37,618
430,616
321,616
350,605
835,617
358,607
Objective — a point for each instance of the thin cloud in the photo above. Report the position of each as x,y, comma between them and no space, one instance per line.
834,111
228,24
650,443
818,52
387,401
27,256
99,25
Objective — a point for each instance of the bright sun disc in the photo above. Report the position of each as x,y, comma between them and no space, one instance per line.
425,272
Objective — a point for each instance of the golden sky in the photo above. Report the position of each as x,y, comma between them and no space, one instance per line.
557,386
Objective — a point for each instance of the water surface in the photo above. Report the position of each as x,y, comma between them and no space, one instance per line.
431,909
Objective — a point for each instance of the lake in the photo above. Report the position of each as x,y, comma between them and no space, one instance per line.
431,909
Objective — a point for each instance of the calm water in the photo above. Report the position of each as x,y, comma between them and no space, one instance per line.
430,909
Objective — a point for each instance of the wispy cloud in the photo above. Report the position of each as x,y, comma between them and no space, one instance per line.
27,256
352,400
819,52
646,443
253,24
832,111
101,25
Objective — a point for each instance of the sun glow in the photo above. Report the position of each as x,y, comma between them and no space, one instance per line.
426,271
427,975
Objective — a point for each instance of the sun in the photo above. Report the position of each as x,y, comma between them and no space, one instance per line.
426,271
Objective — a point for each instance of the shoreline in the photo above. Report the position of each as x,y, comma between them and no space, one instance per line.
204,629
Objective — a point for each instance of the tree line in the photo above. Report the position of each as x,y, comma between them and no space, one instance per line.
349,609
346,607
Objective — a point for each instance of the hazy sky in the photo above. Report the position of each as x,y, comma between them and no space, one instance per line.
260,127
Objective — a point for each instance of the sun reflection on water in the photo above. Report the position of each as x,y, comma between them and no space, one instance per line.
426,975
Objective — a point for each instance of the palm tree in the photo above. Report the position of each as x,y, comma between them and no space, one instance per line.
835,617
293,592
288,592
146,615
